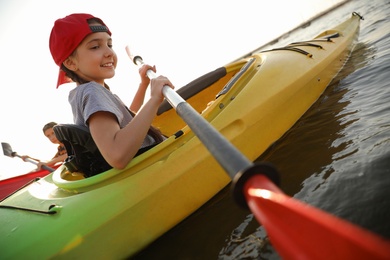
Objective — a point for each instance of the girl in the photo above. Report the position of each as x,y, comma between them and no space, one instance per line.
81,46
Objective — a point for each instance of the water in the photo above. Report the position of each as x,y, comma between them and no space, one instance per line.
336,157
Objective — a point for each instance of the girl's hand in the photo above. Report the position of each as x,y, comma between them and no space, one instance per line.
157,85
144,77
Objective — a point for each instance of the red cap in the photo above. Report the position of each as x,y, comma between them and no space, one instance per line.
67,34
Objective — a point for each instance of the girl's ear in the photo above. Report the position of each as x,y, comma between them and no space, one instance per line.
70,64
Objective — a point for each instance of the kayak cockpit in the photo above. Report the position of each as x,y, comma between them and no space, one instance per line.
214,87
85,165
210,80
195,87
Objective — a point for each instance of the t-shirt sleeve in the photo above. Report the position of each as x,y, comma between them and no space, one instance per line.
93,98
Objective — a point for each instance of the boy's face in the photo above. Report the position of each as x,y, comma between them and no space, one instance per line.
49,133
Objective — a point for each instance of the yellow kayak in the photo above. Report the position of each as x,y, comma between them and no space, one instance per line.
252,102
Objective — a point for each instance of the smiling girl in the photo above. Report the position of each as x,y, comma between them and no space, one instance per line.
81,45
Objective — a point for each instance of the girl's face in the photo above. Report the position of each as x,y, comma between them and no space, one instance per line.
94,58
49,133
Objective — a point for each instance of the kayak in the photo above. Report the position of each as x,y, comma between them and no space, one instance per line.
252,102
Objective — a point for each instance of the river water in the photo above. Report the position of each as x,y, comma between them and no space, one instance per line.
336,157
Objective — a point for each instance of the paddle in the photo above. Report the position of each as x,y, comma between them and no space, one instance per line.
295,229
7,150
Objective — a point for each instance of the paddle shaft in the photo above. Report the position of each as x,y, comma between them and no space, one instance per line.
228,156
45,167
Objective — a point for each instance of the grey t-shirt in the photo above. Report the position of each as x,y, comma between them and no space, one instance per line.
92,97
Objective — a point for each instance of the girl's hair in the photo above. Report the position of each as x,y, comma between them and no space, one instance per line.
48,126
76,78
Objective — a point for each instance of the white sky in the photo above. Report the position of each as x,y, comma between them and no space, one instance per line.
183,39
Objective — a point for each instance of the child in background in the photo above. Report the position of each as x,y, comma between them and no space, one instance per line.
61,154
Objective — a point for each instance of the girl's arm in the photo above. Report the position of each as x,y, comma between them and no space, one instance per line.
118,146
139,97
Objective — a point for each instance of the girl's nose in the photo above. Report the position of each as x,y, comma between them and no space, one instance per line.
109,52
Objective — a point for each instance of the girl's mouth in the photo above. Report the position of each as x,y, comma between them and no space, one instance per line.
108,65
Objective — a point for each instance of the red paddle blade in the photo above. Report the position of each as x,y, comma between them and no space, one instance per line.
300,231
